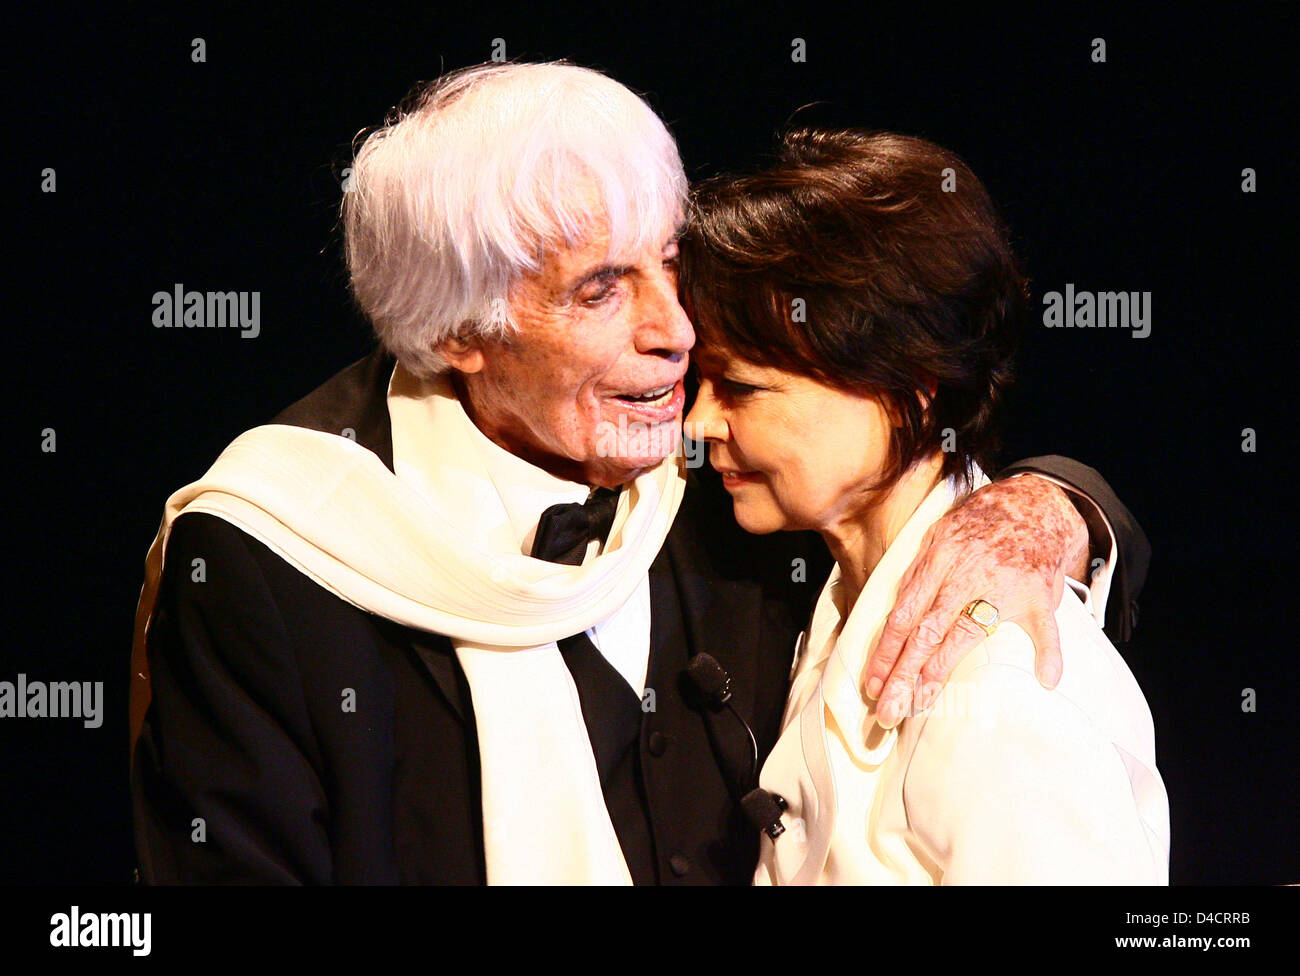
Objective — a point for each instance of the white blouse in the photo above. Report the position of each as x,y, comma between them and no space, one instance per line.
999,781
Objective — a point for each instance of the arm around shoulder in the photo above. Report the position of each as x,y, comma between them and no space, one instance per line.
1116,536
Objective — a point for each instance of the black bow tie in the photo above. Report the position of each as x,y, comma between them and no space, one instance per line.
565,529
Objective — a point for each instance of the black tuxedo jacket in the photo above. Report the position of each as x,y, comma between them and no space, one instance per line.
250,768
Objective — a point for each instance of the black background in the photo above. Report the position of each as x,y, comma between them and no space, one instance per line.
225,175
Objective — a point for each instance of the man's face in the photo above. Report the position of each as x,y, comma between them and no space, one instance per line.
590,388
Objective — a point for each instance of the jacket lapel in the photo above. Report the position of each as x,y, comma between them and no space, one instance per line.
352,404
722,616
438,656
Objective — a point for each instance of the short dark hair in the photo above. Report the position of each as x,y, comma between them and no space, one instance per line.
905,272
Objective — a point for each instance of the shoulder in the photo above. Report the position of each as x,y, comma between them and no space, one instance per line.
200,542
993,718
205,549
215,571
1094,676
1005,781
229,603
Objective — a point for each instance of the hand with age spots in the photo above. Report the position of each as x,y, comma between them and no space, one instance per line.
1011,543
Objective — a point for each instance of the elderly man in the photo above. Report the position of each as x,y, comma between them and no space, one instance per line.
438,621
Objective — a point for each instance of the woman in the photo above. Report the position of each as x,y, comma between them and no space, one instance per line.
856,305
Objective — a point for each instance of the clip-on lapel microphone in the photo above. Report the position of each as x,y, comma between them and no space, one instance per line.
713,685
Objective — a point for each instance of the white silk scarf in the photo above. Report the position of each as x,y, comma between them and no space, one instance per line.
405,549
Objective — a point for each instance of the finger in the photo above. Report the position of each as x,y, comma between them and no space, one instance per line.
892,638
900,690
915,596
924,642
963,637
1040,625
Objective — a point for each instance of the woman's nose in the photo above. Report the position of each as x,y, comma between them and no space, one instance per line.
705,422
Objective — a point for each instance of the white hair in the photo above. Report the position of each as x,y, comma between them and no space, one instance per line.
459,195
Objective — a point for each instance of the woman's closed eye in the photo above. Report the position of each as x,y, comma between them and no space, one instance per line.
735,389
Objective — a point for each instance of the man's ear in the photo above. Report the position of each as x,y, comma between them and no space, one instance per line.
465,355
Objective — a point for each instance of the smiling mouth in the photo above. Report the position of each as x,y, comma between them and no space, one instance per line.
733,477
658,397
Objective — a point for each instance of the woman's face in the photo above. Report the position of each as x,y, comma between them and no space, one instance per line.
793,453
